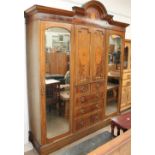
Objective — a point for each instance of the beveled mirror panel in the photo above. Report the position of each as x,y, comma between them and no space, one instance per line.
125,59
57,80
114,68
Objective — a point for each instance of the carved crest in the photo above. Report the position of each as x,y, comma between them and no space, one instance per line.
94,10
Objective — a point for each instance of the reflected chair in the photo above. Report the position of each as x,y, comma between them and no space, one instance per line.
53,96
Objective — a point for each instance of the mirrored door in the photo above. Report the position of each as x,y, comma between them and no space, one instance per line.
114,71
127,55
57,80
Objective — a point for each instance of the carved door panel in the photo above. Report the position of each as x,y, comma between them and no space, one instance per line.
98,54
83,42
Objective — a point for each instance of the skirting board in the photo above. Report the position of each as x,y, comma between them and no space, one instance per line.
28,147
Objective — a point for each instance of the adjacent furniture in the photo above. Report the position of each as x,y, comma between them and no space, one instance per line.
120,145
126,77
121,122
81,39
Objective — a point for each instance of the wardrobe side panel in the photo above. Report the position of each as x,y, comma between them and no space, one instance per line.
33,78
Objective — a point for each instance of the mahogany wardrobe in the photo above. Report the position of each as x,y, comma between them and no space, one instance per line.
75,63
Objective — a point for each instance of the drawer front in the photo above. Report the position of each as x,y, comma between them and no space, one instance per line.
96,87
126,71
83,89
87,121
80,123
81,111
88,109
126,83
94,118
95,107
84,100
126,76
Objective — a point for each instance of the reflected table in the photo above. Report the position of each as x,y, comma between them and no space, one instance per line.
114,74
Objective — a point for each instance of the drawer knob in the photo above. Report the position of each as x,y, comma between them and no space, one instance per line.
128,83
82,99
97,106
82,111
96,117
128,76
97,95
82,123
97,85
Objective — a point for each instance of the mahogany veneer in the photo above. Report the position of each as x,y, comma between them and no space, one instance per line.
90,27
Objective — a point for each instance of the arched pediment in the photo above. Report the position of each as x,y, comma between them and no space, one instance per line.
94,10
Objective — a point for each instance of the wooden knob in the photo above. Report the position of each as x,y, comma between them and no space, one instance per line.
97,106
128,83
82,111
97,85
82,123
82,99
96,117
97,95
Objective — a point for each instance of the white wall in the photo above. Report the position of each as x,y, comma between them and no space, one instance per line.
120,11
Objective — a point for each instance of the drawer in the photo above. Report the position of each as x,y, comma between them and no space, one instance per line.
83,89
82,110
97,86
84,100
87,121
126,83
90,108
94,118
126,76
80,123
95,107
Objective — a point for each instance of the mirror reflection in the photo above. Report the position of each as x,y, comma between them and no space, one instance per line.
57,80
114,55
126,51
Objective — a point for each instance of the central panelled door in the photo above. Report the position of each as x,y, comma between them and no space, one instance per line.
89,88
